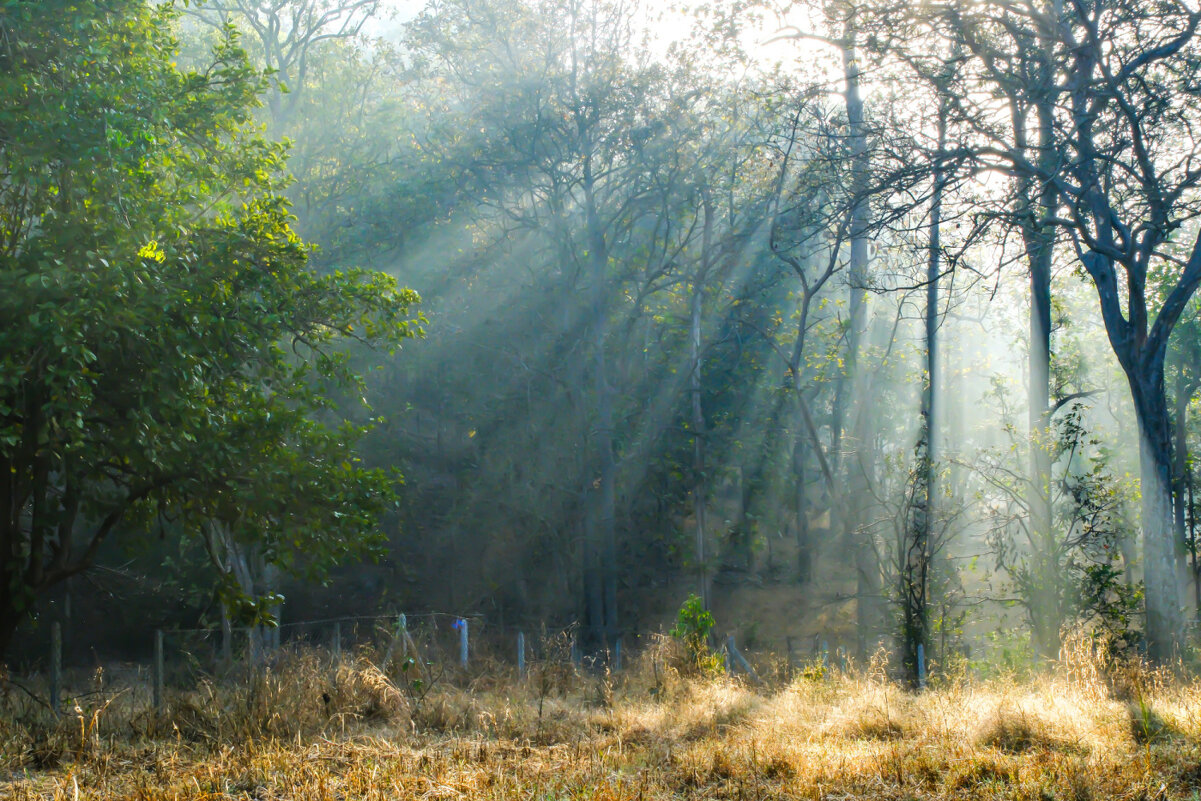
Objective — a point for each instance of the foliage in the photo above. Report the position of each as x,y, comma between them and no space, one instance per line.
165,350
1093,532
693,625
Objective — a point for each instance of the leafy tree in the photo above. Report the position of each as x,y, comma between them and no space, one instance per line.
164,347
693,625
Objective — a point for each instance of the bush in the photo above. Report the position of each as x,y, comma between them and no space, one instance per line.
693,625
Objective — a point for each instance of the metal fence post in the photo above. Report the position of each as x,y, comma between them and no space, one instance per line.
463,642
159,668
56,663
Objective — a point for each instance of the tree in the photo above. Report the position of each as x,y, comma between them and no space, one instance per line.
333,94
165,351
1124,193
288,34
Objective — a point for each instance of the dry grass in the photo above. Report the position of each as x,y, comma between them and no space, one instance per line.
310,730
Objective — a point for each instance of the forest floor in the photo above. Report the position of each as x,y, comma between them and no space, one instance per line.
311,730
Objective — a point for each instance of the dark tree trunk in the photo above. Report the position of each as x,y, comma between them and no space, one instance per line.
10,619
1165,622
916,561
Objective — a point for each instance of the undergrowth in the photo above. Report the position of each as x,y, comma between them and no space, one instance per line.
308,727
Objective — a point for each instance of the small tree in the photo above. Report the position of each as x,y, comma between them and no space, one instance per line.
693,625
1086,568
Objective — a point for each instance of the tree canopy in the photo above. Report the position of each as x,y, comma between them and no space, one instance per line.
166,353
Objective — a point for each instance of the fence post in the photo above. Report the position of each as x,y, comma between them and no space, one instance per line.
617,655
463,642
56,663
227,637
521,655
921,666
402,631
159,666
337,644
735,658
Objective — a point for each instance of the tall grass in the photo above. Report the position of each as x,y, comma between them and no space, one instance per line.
307,728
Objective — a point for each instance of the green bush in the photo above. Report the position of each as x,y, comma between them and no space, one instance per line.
693,624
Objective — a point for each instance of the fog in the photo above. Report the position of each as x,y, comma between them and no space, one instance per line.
676,278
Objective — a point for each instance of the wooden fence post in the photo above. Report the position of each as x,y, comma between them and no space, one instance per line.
159,669
402,631
337,643
521,655
56,663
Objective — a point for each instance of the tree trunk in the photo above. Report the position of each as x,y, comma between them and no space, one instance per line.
700,485
1045,613
1038,239
804,542
604,489
1165,621
10,619
699,488
917,557
1179,459
1192,541
869,599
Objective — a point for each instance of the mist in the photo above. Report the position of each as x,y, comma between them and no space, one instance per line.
806,312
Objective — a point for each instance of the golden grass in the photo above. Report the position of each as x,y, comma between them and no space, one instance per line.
310,730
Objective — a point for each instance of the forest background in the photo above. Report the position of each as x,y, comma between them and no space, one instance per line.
870,321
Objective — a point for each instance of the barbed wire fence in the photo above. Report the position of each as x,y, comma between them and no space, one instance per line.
438,643
442,644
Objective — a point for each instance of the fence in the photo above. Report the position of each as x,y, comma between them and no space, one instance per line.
436,641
